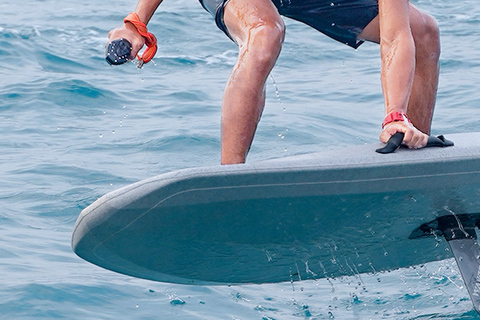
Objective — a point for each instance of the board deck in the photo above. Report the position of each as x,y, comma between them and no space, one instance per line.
329,214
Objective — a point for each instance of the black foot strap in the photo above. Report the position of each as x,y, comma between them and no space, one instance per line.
396,140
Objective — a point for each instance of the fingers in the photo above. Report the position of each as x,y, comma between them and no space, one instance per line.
414,138
131,35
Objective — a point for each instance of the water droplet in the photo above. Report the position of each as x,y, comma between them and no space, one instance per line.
306,311
177,301
101,135
113,131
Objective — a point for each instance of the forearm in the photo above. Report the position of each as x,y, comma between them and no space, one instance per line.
398,54
146,8
397,48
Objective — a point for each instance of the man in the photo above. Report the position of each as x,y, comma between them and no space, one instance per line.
409,45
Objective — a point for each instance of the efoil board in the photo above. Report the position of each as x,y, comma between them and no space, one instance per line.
329,214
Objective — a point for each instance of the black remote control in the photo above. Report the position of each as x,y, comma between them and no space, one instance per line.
118,51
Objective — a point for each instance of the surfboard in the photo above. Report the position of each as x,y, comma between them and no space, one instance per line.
335,213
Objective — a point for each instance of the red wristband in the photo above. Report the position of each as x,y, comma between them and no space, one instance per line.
395,116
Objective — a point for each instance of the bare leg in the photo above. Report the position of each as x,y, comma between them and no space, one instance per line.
258,29
427,53
424,90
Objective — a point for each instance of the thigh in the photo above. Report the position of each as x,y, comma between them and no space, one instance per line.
242,16
419,20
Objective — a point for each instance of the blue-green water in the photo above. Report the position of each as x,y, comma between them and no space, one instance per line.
72,128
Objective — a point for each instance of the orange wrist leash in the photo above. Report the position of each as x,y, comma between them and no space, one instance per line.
150,40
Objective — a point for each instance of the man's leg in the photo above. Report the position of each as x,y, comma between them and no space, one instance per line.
427,53
258,29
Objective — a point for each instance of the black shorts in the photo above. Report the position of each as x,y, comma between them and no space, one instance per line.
341,20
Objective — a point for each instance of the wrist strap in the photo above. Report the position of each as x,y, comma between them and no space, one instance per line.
150,40
395,116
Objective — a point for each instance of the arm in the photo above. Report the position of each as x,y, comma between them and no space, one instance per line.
145,10
397,50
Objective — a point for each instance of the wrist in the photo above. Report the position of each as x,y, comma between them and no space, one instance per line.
395,116
133,20
130,26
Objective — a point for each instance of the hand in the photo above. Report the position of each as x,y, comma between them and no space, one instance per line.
130,33
414,138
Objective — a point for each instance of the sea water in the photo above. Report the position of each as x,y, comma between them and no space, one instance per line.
73,128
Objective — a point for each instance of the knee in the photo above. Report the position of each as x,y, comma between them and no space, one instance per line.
265,40
428,39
